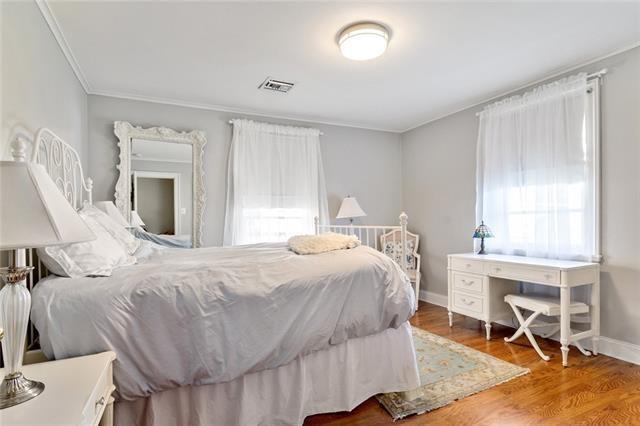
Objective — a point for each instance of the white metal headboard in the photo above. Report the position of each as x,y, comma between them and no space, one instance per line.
63,165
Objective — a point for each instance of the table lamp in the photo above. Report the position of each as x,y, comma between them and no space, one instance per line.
482,232
350,209
33,213
136,220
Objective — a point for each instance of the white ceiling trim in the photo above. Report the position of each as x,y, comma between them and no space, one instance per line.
50,18
52,22
524,86
220,108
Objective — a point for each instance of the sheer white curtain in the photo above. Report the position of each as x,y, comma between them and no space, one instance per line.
275,183
536,175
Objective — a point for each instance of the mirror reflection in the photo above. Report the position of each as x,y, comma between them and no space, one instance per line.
162,191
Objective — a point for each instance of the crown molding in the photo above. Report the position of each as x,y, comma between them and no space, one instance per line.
49,17
242,111
52,22
526,85
55,28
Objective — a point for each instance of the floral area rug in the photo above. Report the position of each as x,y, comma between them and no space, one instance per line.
448,371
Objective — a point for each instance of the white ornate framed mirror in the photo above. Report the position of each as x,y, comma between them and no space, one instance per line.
162,182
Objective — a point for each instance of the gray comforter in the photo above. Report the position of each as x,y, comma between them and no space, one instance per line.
189,317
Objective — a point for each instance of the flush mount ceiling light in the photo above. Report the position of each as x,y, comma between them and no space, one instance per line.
363,41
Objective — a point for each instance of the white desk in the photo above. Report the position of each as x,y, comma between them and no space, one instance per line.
478,283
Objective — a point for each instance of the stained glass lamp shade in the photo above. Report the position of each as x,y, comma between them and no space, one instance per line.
482,232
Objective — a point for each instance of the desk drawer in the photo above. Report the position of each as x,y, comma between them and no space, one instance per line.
464,265
467,282
467,302
544,276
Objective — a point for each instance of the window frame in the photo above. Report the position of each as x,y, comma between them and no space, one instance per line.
593,89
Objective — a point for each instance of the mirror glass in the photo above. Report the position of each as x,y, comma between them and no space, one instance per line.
162,191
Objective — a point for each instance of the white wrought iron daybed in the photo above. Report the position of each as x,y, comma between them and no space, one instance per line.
335,378
394,241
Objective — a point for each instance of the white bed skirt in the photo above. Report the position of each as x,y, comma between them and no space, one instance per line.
331,380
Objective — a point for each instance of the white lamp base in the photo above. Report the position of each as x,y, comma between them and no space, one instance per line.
15,304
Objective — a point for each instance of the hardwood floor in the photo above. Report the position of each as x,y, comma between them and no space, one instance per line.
598,390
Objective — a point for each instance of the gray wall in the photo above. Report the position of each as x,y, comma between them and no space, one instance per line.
439,192
362,163
39,88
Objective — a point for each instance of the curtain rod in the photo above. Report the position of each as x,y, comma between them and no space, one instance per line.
597,74
321,133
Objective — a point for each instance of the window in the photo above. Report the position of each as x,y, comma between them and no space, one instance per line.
275,224
275,183
538,171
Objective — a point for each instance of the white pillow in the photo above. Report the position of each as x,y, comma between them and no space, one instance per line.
315,244
92,258
128,242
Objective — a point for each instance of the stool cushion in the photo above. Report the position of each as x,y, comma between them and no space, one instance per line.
549,306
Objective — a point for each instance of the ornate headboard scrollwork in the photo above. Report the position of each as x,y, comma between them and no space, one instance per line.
62,163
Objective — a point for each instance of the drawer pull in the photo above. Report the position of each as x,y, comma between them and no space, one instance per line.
467,283
548,276
99,403
468,265
467,302
497,269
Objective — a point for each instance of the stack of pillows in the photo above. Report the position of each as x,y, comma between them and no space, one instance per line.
113,247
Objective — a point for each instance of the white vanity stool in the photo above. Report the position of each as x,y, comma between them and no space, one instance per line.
547,306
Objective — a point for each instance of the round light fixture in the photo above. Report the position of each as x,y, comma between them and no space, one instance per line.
363,41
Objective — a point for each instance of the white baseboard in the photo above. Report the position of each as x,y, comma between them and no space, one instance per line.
618,349
614,348
434,298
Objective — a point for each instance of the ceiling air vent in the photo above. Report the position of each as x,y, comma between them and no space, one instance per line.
277,85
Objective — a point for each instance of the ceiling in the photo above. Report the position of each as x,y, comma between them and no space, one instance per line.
442,57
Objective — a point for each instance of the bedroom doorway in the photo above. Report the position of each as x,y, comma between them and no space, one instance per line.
156,199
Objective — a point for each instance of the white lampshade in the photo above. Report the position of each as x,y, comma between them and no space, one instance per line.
112,211
350,209
33,211
136,220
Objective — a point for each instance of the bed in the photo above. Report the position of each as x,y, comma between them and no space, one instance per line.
178,241
242,335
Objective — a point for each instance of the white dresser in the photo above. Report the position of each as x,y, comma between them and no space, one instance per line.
77,391
477,285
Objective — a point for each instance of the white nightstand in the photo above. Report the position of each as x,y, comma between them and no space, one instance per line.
77,392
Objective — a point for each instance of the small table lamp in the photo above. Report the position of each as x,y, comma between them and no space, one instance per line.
482,232
33,213
350,209
136,220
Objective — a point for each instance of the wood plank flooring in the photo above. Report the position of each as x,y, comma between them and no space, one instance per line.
592,391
